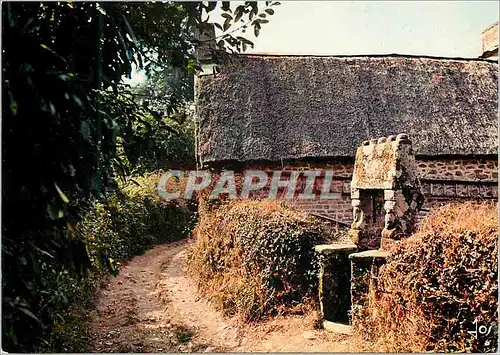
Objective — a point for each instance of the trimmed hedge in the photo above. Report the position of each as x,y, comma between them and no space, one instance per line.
438,282
256,258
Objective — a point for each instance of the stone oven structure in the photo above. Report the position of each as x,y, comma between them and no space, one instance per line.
385,192
386,198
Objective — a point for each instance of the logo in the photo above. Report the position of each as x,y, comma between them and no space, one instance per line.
302,185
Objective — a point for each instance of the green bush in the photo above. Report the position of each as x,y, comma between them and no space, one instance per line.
257,258
132,220
126,223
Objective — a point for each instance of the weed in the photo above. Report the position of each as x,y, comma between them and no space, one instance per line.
183,334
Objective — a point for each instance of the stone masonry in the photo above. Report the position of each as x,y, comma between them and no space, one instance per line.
442,181
386,165
385,192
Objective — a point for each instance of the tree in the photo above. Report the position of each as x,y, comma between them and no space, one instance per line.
68,121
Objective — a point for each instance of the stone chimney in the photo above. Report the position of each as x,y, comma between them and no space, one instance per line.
205,47
490,42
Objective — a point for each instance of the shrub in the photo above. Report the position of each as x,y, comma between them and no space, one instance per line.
133,219
256,258
438,282
128,222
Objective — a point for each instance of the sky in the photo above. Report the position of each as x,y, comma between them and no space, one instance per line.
434,28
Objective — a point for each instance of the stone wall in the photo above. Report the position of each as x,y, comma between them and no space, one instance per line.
471,169
442,180
458,169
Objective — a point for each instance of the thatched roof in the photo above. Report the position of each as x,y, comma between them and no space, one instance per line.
289,107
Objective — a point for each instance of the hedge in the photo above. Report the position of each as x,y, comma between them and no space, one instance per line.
256,258
439,283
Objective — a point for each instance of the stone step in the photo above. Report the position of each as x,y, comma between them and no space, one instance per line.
337,327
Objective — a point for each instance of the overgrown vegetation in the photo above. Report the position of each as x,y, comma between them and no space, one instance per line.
439,285
256,258
125,224
72,129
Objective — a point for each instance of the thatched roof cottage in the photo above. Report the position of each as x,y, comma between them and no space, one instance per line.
302,112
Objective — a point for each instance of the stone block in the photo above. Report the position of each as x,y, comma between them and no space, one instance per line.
364,272
461,190
437,189
337,327
355,202
485,191
327,249
382,171
389,195
450,190
426,188
473,190
334,282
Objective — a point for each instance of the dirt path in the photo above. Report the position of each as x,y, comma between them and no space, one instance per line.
153,306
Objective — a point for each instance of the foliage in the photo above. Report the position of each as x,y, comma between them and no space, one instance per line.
70,127
167,143
256,258
131,220
127,223
438,283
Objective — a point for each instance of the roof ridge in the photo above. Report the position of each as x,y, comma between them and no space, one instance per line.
390,55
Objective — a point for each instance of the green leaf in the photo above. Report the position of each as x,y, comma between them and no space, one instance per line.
35,263
244,40
13,104
42,251
30,314
10,15
67,76
211,6
129,29
78,101
52,51
256,29
63,197
227,24
85,130
238,13
100,9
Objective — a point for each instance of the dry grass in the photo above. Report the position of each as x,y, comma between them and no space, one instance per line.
437,282
256,258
